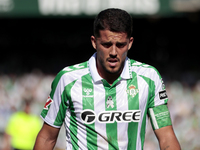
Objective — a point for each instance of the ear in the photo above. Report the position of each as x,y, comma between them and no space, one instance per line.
130,43
93,40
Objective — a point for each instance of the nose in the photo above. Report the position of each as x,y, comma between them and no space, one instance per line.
113,51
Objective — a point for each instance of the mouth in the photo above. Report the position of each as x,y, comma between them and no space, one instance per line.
113,62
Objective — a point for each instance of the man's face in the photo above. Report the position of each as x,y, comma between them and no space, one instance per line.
112,49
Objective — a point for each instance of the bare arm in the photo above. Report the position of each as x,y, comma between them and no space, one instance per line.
6,142
167,139
46,138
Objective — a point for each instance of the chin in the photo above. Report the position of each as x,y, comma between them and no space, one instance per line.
113,71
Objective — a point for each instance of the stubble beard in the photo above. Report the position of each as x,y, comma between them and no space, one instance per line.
118,71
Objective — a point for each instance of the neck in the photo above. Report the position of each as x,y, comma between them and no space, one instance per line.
110,78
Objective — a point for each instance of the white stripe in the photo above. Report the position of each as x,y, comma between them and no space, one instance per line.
65,80
68,137
143,97
153,118
99,106
122,105
76,97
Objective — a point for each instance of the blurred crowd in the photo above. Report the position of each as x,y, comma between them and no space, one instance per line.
183,103
184,107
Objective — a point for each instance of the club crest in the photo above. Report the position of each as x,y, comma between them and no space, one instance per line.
132,91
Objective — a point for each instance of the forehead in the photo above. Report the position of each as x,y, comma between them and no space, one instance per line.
108,35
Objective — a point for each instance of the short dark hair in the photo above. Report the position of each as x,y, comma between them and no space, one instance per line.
115,20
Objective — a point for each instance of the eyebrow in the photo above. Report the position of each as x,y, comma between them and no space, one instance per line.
124,43
102,42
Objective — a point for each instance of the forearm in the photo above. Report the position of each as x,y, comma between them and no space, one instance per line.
167,139
6,142
170,144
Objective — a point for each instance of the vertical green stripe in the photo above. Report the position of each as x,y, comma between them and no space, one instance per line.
111,128
133,104
88,103
143,127
73,122
152,89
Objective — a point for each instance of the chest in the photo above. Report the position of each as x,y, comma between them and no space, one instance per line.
124,95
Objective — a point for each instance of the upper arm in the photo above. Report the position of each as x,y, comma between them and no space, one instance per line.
167,139
49,131
47,137
157,100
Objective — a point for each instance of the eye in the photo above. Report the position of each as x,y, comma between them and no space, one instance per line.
107,45
120,45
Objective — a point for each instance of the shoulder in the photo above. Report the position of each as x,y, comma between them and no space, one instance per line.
144,70
72,71
70,74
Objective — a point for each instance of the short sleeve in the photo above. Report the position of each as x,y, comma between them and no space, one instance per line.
55,107
158,94
157,104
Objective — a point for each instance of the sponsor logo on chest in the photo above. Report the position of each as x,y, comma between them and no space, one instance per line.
89,116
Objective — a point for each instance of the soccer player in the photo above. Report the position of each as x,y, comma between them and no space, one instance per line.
105,102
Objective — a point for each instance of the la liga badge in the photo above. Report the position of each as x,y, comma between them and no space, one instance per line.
48,103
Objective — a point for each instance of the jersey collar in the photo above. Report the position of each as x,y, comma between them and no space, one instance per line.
126,73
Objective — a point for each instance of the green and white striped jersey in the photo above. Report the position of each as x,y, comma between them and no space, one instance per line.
100,116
